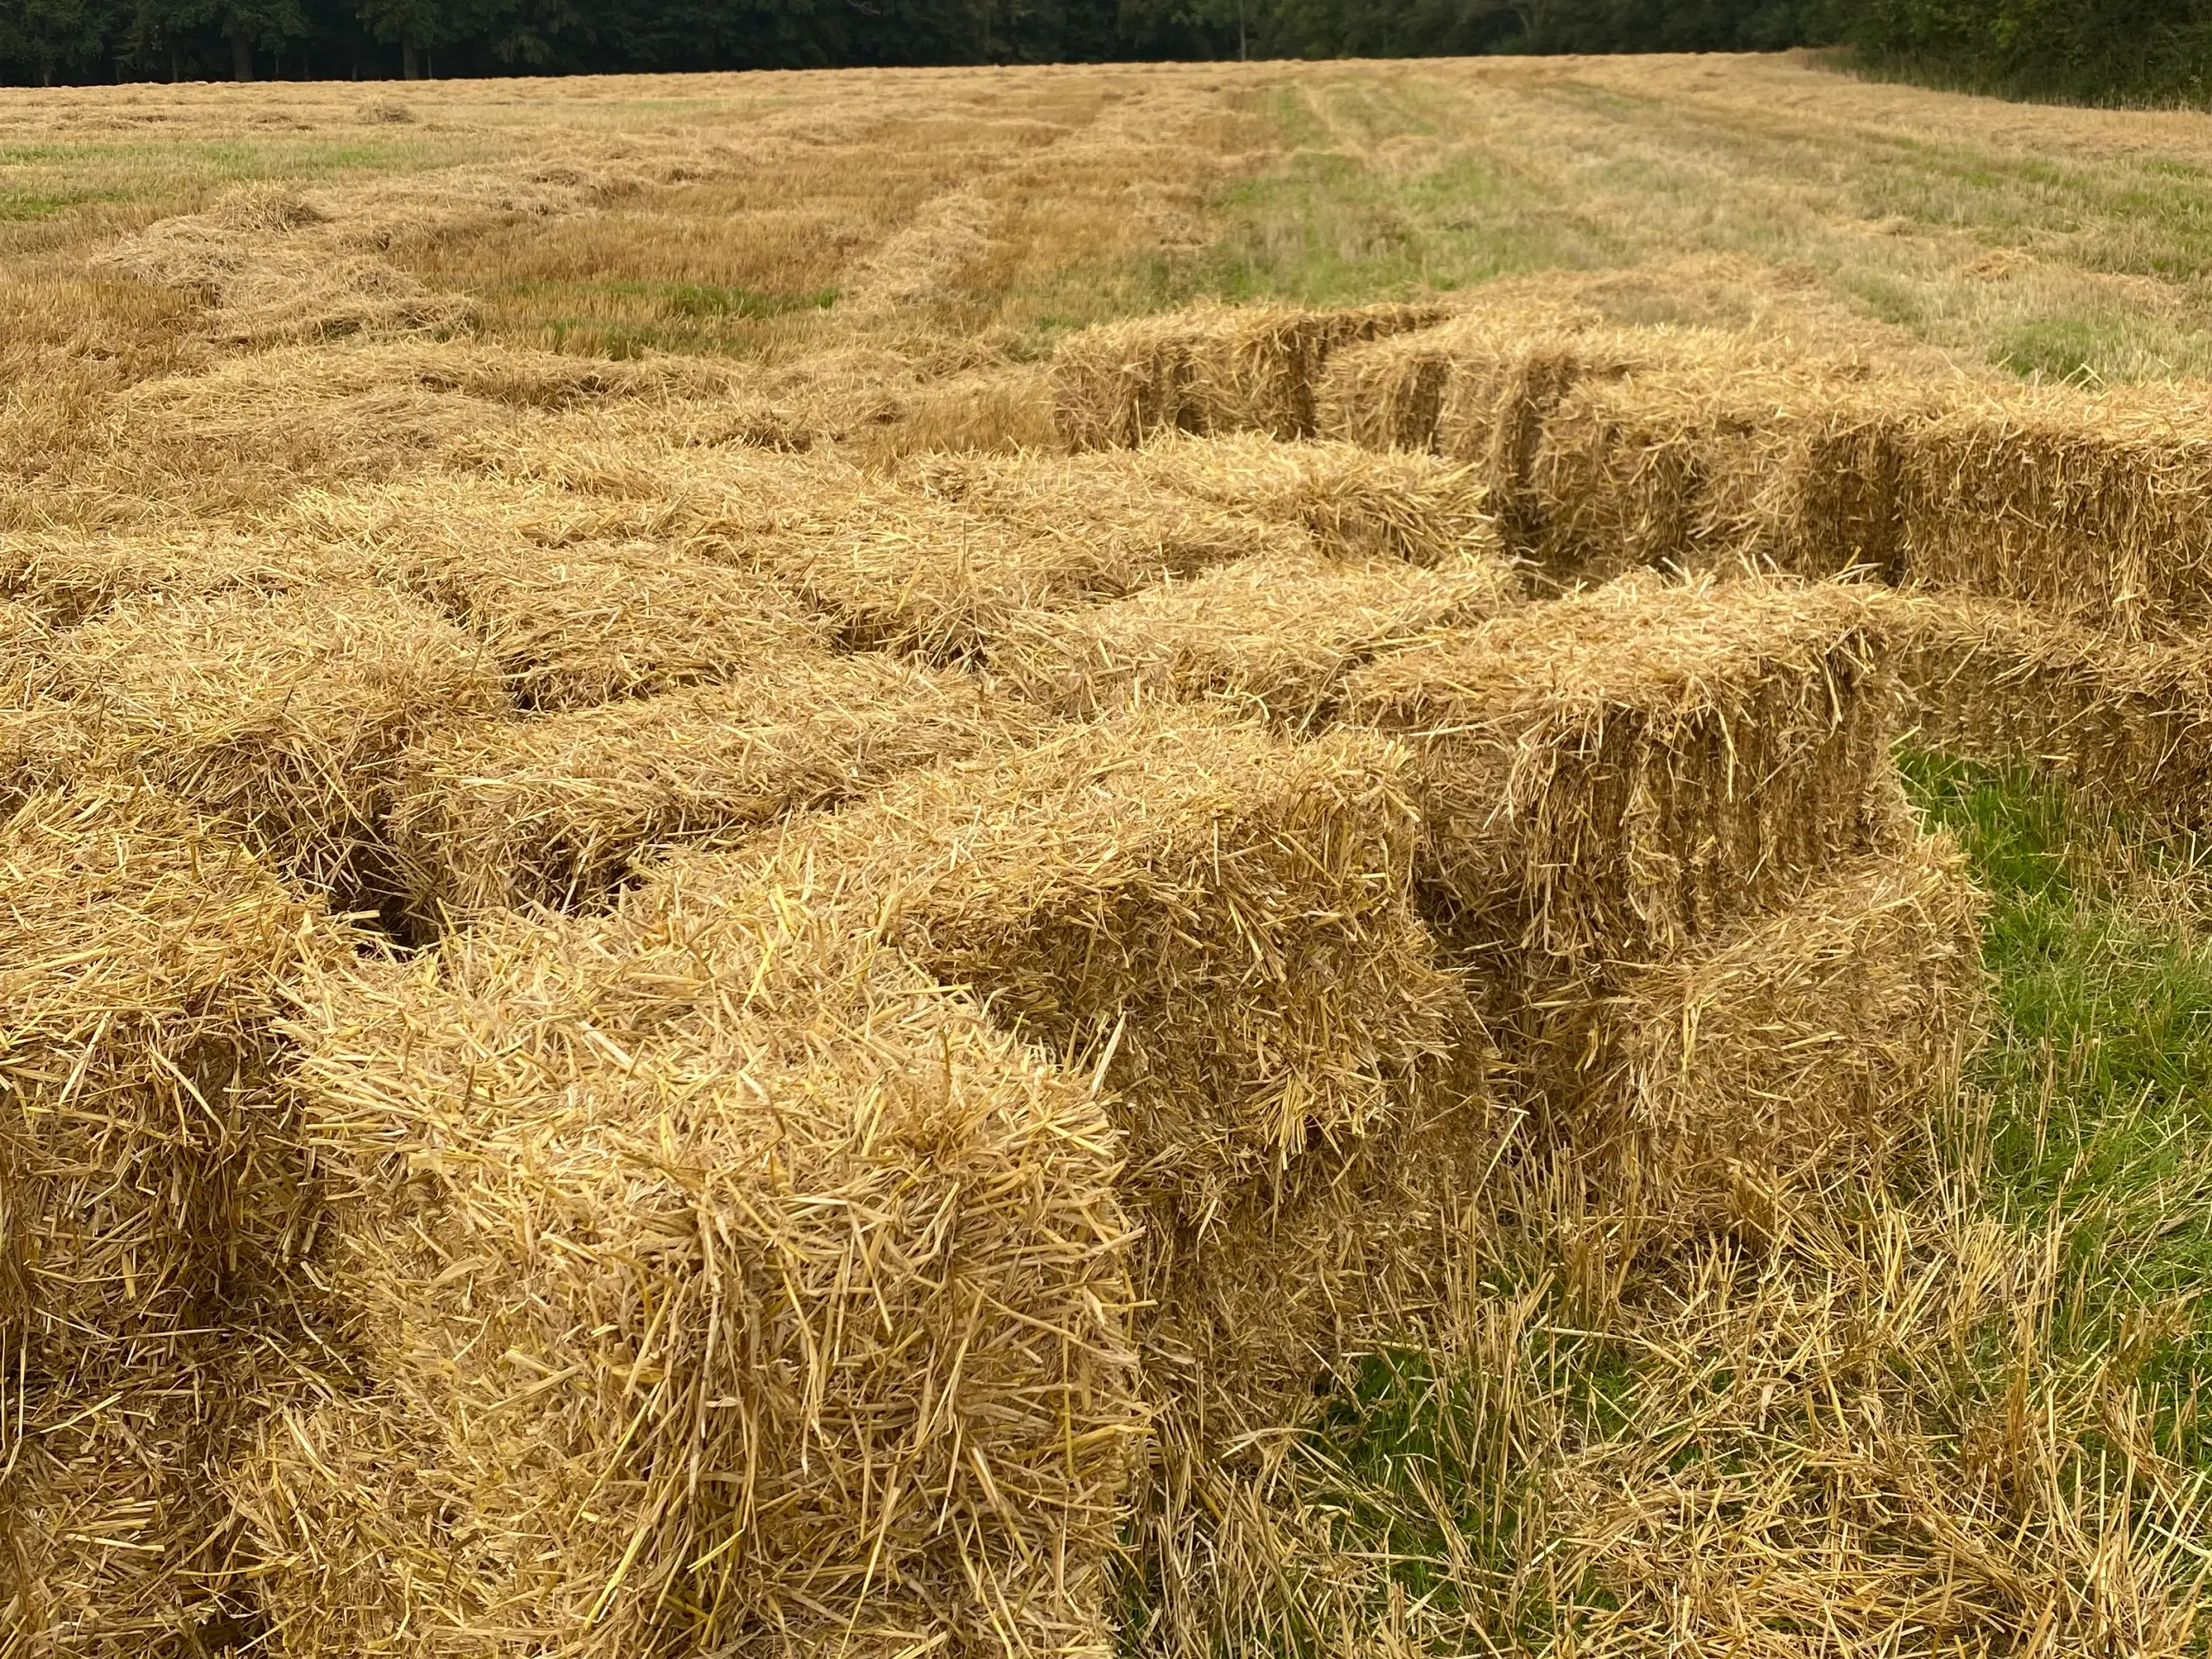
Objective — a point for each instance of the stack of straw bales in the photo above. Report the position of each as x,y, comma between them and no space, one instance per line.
558,810
282,716
154,1190
1269,637
729,1285
1209,369
1666,821
733,1286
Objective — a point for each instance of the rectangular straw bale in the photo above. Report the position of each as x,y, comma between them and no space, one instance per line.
725,1289
1354,502
282,716
1778,1056
579,606
1618,773
1270,637
2126,723
1208,369
1217,920
1726,466
2093,506
1482,389
910,569
556,811
149,1159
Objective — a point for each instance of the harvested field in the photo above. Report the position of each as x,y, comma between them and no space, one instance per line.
1186,862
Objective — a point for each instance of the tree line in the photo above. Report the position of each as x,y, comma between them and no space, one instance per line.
2126,49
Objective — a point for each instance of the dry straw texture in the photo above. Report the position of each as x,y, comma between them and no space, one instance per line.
1618,773
558,810
1217,921
68,577
1777,1058
941,566
1209,369
728,1287
2097,507
575,611
282,716
2127,722
1353,502
1726,466
1272,637
149,1163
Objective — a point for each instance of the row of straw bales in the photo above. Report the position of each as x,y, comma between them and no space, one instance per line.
1606,447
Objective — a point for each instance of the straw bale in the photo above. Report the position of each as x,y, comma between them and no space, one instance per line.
729,1288
1217,921
1269,637
282,716
1725,466
1622,772
2096,506
2126,723
1353,502
944,569
557,811
1779,1056
149,1161
576,613
1209,369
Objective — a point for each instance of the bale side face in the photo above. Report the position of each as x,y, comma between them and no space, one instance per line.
1208,370
283,716
2126,723
1271,638
1616,774
1780,1057
150,1162
1215,921
2097,508
723,1287
557,811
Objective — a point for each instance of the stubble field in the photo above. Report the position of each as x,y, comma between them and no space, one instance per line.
1195,860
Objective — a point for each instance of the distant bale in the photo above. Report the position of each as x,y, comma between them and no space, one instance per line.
721,1283
1269,637
2126,723
1618,774
1210,369
2095,506
573,618
942,565
1774,1059
1217,921
559,811
283,716
1354,502
149,1161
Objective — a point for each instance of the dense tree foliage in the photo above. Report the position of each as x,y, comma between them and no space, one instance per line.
103,39
2097,49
